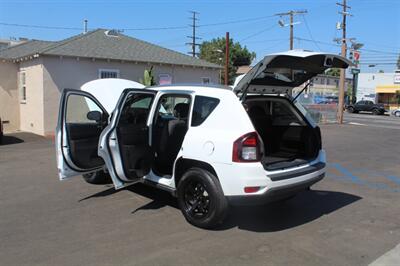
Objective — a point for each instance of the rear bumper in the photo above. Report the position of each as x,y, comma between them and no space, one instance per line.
274,193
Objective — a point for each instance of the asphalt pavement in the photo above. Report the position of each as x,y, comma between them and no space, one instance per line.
350,218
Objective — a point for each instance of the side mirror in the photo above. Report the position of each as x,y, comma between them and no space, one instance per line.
94,116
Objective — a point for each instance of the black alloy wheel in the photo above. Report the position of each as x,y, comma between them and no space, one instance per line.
201,199
196,200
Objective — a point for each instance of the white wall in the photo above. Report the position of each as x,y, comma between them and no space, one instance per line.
9,103
367,82
31,112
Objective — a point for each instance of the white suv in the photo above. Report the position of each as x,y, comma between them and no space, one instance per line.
209,146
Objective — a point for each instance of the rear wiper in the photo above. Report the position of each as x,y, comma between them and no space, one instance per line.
298,94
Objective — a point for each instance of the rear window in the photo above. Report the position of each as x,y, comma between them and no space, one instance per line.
203,107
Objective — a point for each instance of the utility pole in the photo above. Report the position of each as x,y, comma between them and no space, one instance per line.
193,38
227,59
292,23
342,80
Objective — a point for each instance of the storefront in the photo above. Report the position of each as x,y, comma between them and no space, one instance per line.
388,95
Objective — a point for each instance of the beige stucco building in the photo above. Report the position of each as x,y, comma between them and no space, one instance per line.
33,74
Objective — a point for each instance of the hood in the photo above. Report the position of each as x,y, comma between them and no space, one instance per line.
281,72
108,91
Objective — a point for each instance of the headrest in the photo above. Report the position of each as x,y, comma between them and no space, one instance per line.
181,110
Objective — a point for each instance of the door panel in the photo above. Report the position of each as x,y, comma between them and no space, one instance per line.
125,142
77,135
83,140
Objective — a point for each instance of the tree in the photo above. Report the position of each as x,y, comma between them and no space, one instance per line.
214,51
148,77
335,72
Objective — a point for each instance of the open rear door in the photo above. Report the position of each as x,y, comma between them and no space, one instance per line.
81,120
125,143
281,72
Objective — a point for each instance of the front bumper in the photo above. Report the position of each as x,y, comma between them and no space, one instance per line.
274,193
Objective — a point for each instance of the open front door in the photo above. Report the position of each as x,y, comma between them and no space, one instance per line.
81,120
124,143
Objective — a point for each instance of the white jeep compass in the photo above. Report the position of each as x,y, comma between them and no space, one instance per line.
209,146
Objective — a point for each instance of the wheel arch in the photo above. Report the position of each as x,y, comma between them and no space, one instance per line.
183,164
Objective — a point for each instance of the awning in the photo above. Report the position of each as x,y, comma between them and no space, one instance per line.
387,88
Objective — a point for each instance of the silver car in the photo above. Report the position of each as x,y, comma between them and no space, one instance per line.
396,112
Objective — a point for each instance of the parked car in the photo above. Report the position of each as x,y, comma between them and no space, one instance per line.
209,146
326,99
366,106
396,112
1,131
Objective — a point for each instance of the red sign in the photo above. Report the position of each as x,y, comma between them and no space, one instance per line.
356,56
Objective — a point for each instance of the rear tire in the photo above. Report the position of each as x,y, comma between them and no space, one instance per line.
201,199
97,178
397,114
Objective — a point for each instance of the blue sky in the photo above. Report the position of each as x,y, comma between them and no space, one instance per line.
375,23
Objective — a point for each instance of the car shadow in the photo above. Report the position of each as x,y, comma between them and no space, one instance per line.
306,207
7,140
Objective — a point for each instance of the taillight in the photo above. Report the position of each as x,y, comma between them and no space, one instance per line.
247,148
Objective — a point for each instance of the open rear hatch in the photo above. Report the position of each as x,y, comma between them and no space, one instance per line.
289,135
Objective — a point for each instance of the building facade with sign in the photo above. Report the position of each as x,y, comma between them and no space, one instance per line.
33,74
381,88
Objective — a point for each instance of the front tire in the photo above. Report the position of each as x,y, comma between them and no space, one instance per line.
97,178
397,114
201,199
350,110
376,112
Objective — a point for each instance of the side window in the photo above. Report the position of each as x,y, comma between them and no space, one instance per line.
136,109
202,108
173,106
78,107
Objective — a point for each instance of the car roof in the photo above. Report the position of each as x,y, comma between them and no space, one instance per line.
211,90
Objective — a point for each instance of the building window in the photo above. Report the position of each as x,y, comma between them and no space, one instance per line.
22,86
108,73
205,80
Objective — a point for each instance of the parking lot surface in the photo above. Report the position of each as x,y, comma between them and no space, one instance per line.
350,218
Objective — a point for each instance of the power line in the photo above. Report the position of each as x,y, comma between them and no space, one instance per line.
258,33
39,27
309,32
235,21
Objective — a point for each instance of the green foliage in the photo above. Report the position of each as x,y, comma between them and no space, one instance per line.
214,51
333,72
148,77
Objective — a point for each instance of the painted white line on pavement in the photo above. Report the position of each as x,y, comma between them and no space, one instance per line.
357,124
390,258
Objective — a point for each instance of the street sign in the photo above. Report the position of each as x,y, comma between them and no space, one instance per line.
355,71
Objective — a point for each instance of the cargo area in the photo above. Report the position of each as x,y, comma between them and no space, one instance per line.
288,139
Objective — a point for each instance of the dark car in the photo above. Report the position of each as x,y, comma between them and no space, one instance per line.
366,106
